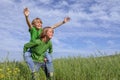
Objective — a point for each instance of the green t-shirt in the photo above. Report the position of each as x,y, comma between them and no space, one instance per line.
38,49
34,33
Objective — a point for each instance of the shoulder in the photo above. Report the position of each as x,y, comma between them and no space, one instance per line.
40,30
37,41
49,42
32,28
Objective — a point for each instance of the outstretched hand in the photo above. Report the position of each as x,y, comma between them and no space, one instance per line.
26,12
66,19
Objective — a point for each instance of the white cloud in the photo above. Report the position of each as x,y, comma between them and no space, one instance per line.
89,19
46,1
110,42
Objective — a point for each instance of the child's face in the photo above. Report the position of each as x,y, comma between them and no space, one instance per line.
50,33
38,24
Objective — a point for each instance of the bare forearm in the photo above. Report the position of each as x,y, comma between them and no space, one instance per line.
28,22
57,24
66,19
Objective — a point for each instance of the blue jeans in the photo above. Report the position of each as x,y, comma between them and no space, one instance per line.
35,66
49,63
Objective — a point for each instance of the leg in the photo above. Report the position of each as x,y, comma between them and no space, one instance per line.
49,70
29,61
36,68
49,57
49,66
33,76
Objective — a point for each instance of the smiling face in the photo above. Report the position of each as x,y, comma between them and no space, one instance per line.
37,23
50,33
47,32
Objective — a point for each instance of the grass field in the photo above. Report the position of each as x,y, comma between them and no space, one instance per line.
76,68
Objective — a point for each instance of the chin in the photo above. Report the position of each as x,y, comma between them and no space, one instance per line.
50,37
39,27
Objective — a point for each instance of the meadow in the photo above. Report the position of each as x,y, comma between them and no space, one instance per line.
72,68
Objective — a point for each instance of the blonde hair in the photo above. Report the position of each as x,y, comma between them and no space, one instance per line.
44,31
34,20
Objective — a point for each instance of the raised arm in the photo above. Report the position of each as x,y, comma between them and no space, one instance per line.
66,19
26,13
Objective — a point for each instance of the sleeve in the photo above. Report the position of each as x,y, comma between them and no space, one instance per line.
32,32
50,48
29,45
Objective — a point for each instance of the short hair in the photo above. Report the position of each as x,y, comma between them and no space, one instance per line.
34,20
44,31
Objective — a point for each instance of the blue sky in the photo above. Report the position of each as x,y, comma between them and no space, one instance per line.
94,28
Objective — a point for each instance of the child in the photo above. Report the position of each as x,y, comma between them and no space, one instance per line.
38,49
35,29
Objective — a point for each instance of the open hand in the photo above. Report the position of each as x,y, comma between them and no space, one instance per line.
66,19
26,12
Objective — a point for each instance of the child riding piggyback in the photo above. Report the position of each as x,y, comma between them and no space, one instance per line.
35,30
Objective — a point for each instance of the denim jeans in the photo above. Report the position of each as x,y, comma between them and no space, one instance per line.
35,66
49,63
49,57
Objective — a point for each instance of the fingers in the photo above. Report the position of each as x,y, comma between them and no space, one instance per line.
67,19
26,11
45,59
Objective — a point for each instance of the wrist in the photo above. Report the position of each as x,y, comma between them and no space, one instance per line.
63,22
26,16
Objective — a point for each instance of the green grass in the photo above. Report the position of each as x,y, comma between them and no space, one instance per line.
76,68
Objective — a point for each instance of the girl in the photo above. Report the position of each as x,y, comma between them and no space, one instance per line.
38,49
35,29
